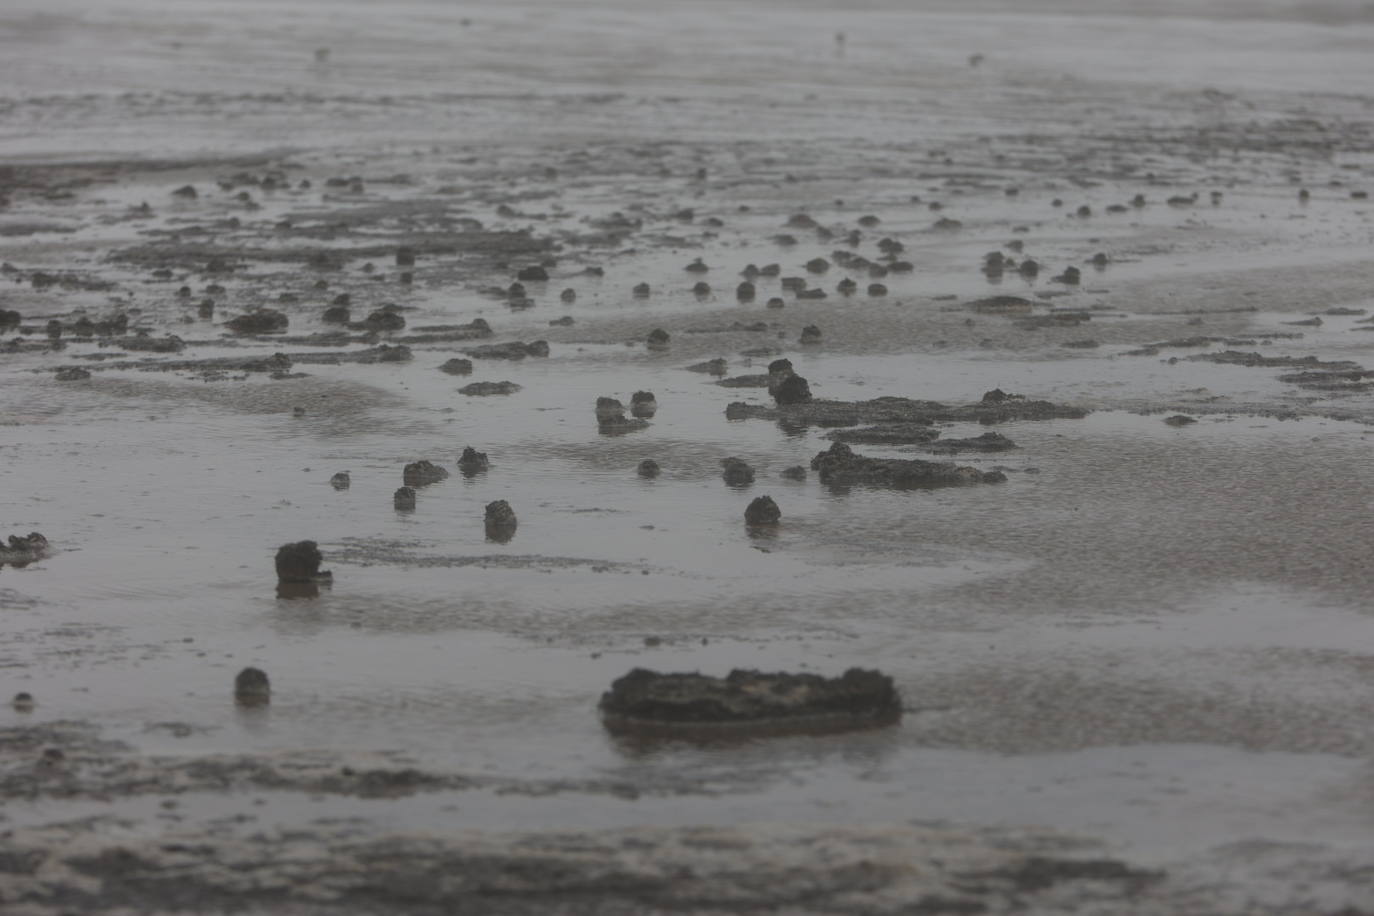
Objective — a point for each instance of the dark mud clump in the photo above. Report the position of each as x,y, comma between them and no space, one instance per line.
252,688
762,511
341,481
500,521
1001,305
472,462
987,442
657,339
648,469
890,434
22,550
258,321
487,389
736,472
1180,419
810,334
643,404
785,386
718,366
996,407
744,381
513,350
792,390
795,472
145,344
840,467
403,499
423,473
611,419
476,329
457,366
649,700
384,319
300,563
72,374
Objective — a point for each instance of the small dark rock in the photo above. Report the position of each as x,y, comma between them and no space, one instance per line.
658,339
457,366
22,550
840,466
646,699
1180,419
648,469
72,374
533,274
405,256
718,366
404,499
500,521
877,290
252,688
796,472
341,481
513,350
258,321
384,319
643,404
792,390
736,473
987,442
472,461
300,562
811,334
762,511
423,473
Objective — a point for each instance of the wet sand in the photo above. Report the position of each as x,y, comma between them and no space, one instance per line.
1135,671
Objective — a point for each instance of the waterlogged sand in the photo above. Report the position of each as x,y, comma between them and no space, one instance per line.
1136,673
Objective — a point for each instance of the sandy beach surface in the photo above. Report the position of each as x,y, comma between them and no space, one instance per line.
247,247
